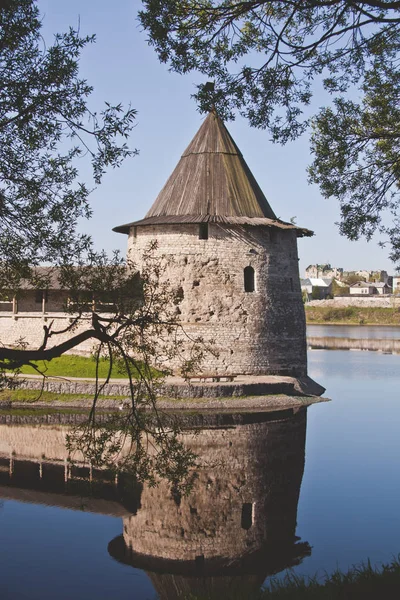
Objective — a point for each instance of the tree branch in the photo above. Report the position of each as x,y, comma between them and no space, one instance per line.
19,357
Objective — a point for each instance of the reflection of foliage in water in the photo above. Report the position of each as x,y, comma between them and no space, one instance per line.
136,443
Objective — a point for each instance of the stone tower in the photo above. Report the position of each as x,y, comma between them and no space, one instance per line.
234,263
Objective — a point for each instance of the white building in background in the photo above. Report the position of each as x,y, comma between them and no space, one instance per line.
366,288
362,287
396,285
316,288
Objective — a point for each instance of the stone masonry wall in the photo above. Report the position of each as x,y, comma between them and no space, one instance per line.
372,301
260,332
29,329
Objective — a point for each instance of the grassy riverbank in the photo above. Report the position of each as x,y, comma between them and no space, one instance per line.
352,315
34,396
71,365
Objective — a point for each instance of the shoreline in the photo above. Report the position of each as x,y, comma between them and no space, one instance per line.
386,346
351,314
250,404
262,393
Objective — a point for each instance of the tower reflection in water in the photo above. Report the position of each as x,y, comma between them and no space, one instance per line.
237,527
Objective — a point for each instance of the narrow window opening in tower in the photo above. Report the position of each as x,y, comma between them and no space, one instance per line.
249,279
273,235
247,515
291,285
203,231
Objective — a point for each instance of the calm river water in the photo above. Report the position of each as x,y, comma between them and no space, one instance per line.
347,500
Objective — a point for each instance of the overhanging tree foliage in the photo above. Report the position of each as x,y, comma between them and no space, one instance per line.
46,125
265,57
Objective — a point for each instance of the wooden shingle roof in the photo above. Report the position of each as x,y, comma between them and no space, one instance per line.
212,183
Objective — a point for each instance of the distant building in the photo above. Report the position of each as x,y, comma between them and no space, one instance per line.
396,285
316,288
326,271
363,288
383,288
366,288
378,276
323,271
362,274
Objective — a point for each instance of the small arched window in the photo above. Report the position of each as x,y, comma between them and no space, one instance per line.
203,231
249,279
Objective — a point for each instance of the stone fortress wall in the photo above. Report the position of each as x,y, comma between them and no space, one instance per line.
371,301
28,328
255,332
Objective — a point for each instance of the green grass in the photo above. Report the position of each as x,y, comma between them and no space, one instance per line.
32,396
45,412
70,365
353,315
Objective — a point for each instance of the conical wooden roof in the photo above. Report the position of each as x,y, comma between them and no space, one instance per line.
211,183
212,178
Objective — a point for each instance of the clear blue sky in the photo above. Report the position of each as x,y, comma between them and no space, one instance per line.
123,68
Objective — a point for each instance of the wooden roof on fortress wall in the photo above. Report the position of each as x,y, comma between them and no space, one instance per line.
212,183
